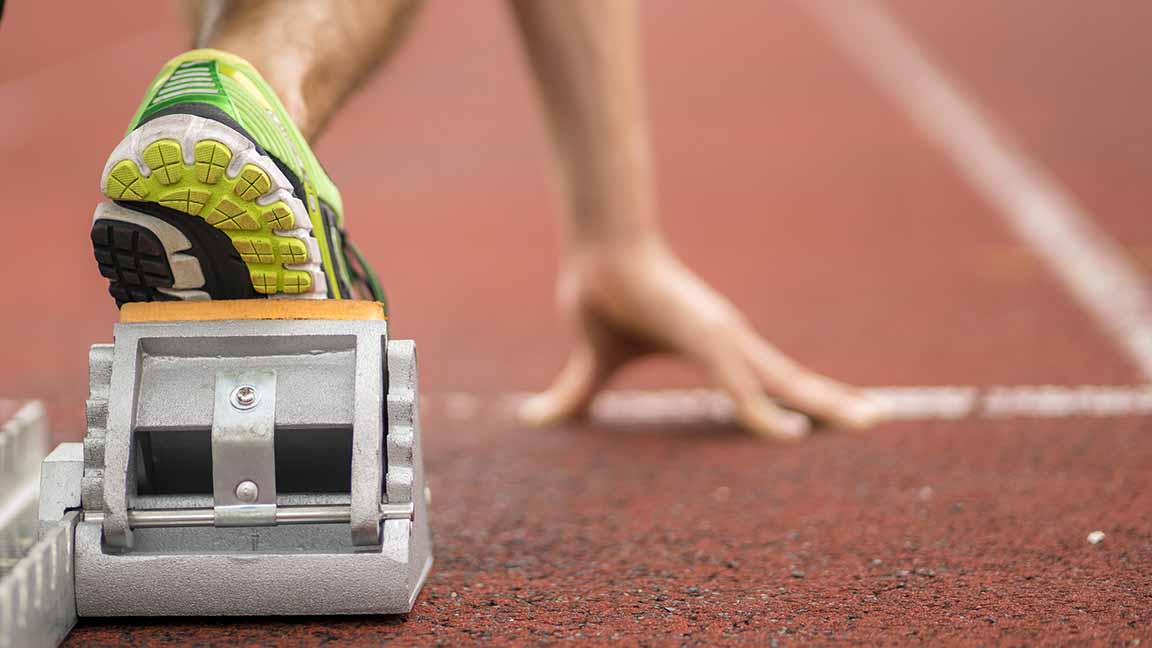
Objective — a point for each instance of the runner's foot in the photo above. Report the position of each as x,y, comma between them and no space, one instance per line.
216,195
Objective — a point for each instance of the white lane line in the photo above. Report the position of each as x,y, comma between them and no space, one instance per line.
903,403
1091,265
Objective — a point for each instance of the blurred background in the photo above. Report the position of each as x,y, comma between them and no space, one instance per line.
784,176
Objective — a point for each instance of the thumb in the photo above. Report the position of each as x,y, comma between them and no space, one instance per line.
571,392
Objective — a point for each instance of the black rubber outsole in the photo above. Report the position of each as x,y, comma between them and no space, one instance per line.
134,260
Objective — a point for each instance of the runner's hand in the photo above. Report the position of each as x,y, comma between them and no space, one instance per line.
630,302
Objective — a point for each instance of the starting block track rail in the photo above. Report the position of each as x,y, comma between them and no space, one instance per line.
37,606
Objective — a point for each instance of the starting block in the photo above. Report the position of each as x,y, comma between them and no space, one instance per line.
246,458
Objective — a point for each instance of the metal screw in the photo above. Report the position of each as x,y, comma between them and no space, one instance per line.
247,491
244,397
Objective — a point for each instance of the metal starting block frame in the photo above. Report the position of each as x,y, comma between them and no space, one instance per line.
246,458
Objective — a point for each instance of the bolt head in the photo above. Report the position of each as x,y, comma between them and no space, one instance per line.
244,397
247,491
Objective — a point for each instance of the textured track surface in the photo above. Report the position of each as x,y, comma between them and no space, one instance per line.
789,182
922,533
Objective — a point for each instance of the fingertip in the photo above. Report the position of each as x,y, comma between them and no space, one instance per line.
865,411
768,421
551,408
538,410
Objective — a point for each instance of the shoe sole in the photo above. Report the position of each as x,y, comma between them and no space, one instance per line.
201,168
151,253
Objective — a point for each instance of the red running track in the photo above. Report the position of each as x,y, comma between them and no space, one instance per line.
792,183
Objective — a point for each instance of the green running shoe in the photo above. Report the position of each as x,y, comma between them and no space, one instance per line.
216,195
